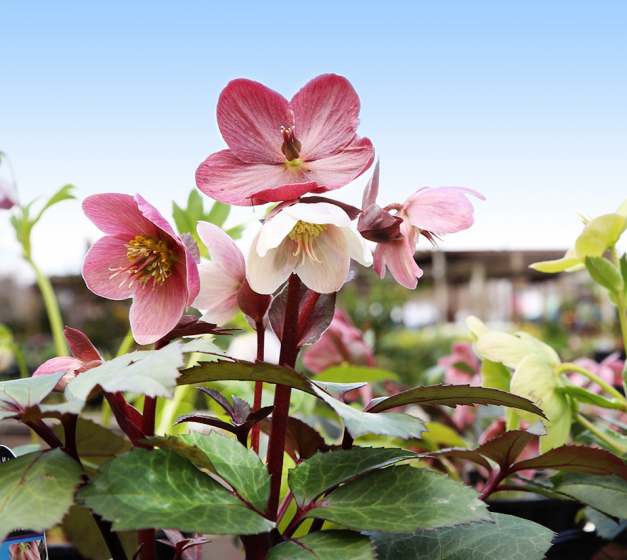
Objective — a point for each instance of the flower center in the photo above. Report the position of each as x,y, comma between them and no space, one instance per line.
291,147
149,259
304,233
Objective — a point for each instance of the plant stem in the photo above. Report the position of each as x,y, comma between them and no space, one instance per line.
596,379
21,361
126,345
496,477
620,449
287,357
261,337
146,537
52,309
622,314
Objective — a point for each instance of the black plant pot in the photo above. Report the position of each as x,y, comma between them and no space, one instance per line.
557,515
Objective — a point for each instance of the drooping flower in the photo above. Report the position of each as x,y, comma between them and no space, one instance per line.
429,212
342,343
223,285
84,357
279,149
142,258
8,196
315,241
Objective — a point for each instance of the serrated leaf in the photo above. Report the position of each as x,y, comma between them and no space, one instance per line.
461,453
394,424
401,500
338,390
240,467
182,448
20,395
588,397
605,273
325,545
605,526
507,537
454,395
355,374
36,490
574,458
323,471
605,493
146,489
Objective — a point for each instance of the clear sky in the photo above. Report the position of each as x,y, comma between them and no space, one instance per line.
522,100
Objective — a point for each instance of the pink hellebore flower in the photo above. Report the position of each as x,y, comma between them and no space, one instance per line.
279,149
8,196
609,370
25,551
462,354
315,241
341,343
84,357
429,211
142,258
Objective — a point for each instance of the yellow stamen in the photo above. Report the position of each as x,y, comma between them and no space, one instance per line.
149,258
304,233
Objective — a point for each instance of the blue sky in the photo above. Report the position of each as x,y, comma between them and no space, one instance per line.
524,101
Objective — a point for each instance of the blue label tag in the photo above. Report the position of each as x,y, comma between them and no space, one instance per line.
21,545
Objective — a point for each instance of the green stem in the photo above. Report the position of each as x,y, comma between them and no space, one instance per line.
620,449
603,384
21,361
126,345
52,309
622,312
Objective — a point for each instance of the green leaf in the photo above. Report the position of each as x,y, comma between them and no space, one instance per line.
64,193
325,545
495,375
219,212
96,444
507,537
323,471
587,397
21,395
394,424
183,449
605,493
605,273
401,500
240,467
355,374
579,459
599,235
36,490
80,527
146,489
454,395
568,263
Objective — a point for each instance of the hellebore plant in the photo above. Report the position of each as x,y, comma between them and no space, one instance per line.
278,481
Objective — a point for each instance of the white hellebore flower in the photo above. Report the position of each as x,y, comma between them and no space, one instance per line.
315,241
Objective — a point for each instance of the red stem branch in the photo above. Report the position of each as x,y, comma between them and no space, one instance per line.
254,435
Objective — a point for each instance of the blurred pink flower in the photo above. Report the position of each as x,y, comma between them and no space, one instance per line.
8,196
342,343
279,149
84,357
462,355
223,286
429,211
609,370
142,258
315,241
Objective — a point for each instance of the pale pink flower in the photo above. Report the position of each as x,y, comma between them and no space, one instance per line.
142,258
25,551
609,370
342,343
84,357
8,196
315,241
429,212
279,149
461,355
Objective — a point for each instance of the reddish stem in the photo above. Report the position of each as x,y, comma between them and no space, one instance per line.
146,537
254,435
287,357
496,477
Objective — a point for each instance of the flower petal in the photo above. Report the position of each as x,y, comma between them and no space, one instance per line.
372,189
152,214
330,273
441,210
399,258
217,298
118,214
8,196
337,170
155,312
266,274
319,213
357,247
229,180
250,117
274,231
56,365
192,277
326,111
222,249
80,346
104,257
